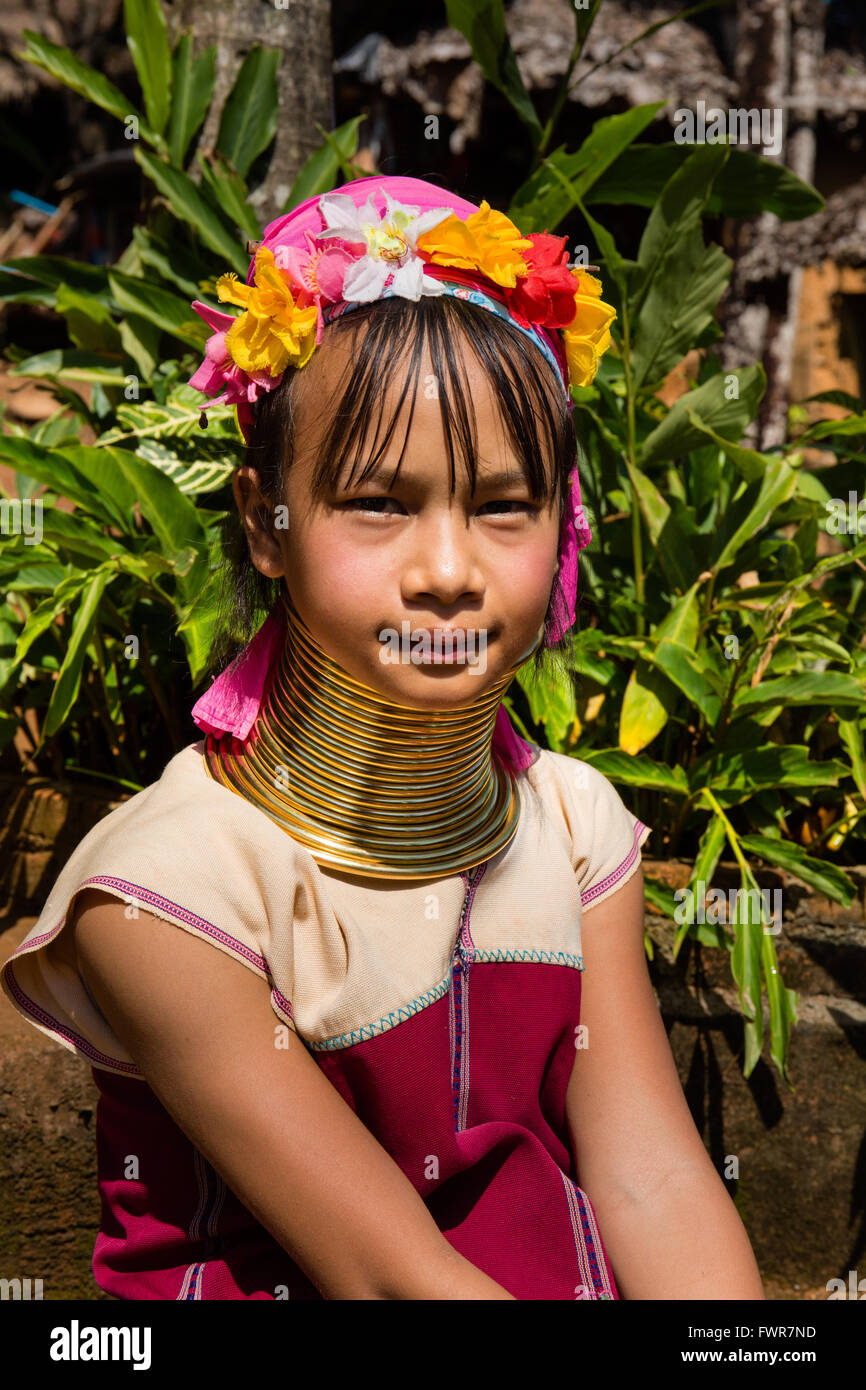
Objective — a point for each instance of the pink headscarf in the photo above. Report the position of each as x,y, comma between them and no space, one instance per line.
232,702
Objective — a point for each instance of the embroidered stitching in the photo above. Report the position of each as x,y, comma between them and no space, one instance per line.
587,1241
542,957
371,1030
592,893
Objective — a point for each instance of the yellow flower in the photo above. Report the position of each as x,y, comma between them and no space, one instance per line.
587,337
487,241
274,332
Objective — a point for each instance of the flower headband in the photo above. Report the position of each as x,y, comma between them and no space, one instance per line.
362,255
374,238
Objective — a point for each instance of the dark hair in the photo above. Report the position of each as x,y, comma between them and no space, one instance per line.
525,384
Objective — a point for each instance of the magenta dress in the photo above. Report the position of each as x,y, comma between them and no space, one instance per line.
464,1083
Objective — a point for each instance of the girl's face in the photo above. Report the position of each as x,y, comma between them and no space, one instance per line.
361,562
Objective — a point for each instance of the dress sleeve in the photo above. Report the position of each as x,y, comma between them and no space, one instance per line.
192,855
606,837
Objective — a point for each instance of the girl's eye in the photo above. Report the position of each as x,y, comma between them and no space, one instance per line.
369,504
509,502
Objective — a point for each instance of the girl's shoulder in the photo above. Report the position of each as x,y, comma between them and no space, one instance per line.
184,849
603,835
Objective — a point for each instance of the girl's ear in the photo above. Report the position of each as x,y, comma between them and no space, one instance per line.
257,520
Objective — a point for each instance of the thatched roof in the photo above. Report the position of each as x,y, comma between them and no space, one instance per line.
838,233
678,64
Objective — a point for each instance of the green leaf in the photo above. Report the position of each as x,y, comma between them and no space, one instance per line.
635,770
51,467
550,193
88,321
727,402
678,280
482,22
805,688
158,306
249,118
170,515
319,173
73,533
682,667
852,737
818,873
55,271
147,39
229,192
100,468
752,511
747,770
69,677
45,613
187,203
671,544
70,364
193,89
62,63
747,185
551,703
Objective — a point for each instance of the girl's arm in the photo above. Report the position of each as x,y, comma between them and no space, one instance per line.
668,1224
201,1029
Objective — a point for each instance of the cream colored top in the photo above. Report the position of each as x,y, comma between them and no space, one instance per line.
347,957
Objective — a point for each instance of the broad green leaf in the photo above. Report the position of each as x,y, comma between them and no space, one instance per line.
637,770
100,468
187,203
88,321
159,306
71,364
747,185
49,466
319,173
749,769
72,532
229,192
140,340
171,516
482,22
727,402
679,304
674,222
672,546
551,703
193,80
852,737
549,194
749,513
806,688
682,668
69,677
821,875
826,429
147,39
55,271
248,122
45,613
62,63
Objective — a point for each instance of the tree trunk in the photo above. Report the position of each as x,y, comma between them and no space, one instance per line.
302,31
779,45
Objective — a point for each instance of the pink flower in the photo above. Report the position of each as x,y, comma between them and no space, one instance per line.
218,373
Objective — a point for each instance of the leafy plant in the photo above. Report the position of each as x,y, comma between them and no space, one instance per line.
718,665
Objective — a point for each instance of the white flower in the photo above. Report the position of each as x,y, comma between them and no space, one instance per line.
391,239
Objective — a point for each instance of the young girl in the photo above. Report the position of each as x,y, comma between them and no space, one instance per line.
361,978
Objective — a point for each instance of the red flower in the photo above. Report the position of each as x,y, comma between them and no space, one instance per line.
546,294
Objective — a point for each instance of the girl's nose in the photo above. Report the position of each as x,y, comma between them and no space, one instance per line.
442,562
